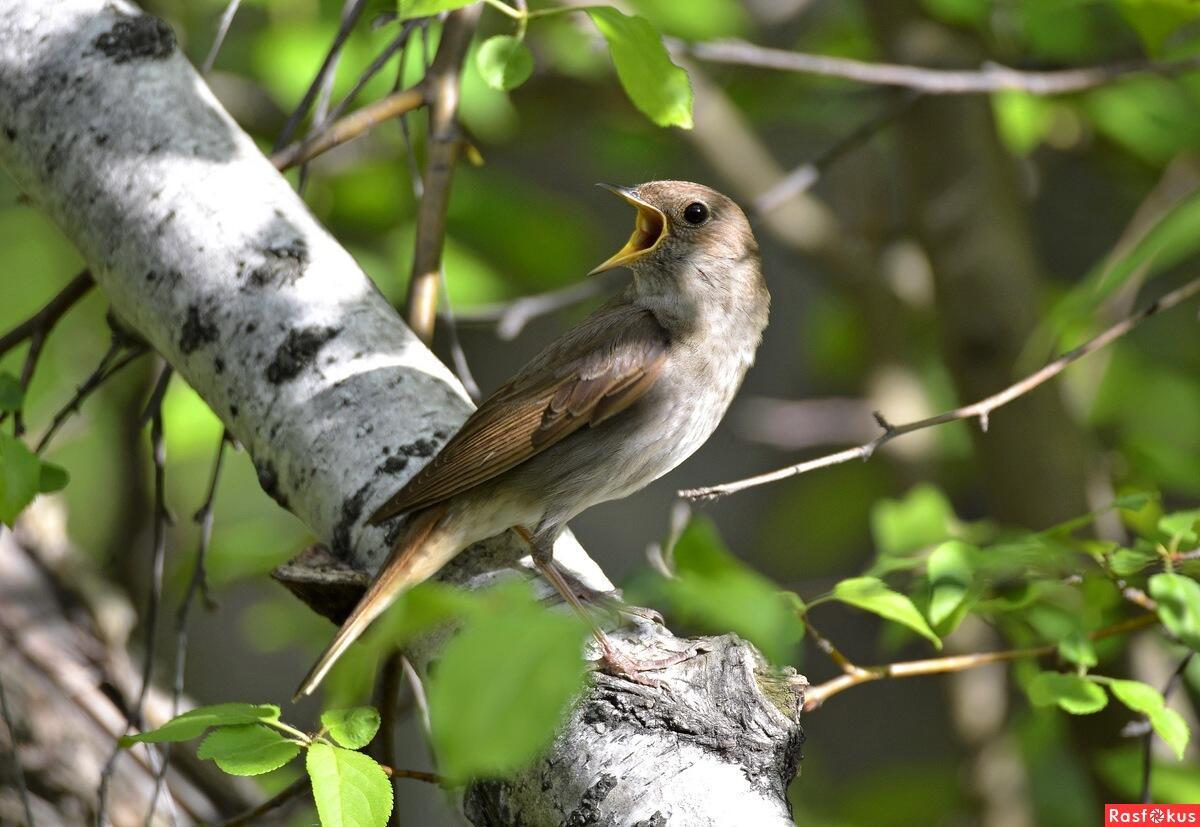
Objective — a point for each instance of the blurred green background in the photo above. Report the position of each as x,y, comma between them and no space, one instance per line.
961,244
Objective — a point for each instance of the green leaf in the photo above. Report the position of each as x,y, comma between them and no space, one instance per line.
1073,693
1155,20
248,749
1078,649
949,573
352,728
1178,600
52,478
349,788
1168,723
716,592
1128,561
20,472
11,395
192,724
921,518
503,683
659,88
408,9
1182,526
872,595
504,62
1022,119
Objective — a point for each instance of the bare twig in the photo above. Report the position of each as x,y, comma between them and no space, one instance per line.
222,29
510,317
853,675
981,409
352,11
442,82
18,772
108,367
376,66
803,177
991,77
350,127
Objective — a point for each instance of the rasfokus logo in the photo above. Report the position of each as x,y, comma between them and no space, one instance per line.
1115,814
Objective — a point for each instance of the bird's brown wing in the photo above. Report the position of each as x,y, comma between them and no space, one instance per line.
594,372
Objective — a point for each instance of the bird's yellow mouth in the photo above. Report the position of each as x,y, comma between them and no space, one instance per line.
648,231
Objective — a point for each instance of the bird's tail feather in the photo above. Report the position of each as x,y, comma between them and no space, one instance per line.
423,548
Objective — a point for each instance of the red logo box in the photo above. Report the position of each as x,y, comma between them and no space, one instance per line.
1116,815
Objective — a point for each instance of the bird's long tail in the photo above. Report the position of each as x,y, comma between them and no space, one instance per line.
423,548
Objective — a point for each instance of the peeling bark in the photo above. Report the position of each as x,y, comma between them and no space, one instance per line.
206,250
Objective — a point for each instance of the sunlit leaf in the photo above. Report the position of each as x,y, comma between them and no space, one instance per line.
504,62
695,19
716,592
1167,723
659,88
503,683
409,9
873,595
949,573
349,788
248,749
1022,119
193,724
1078,649
1072,693
920,518
1178,600
352,728
20,474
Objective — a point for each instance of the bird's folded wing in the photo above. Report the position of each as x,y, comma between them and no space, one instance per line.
598,370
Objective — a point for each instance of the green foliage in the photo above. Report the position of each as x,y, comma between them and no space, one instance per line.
193,724
1156,20
350,788
1072,693
23,476
919,519
504,62
352,728
949,570
528,659
248,749
1178,600
659,88
1167,723
872,594
11,395
716,592
409,9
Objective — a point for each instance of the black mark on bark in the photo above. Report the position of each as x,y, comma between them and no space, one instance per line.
352,508
297,352
269,480
588,811
136,38
198,330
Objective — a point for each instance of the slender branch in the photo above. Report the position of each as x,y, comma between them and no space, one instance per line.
511,317
853,675
981,409
802,178
222,30
990,77
443,84
18,772
353,11
43,320
108,367
376,66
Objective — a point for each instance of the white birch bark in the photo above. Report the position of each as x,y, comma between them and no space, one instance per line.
208,252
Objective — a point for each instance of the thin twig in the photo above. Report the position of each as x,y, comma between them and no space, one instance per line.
376,66
49,315
443,84
853,675
328,65
1148,738
350,127
511,317
218,41
981,409
351,10
991,77
802,178
18,772
108,367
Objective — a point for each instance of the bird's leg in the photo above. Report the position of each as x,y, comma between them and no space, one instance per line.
616,661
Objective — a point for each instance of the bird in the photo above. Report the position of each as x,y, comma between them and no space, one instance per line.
613,404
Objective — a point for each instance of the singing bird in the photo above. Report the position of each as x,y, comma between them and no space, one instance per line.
619,400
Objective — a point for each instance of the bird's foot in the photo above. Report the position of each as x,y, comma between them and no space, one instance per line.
618,663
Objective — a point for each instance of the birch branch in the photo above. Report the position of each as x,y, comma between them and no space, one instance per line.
202,247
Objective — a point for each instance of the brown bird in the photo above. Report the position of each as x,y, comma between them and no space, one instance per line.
614,404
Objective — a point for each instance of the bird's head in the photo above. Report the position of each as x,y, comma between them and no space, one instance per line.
691,245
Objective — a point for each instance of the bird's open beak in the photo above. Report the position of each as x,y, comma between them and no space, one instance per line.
649,229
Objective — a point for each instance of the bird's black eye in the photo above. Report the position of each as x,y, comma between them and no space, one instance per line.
695,213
